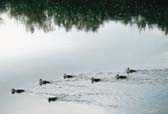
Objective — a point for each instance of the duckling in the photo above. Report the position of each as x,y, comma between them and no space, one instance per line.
13,91
43,82
120,77
130,70
95,80
68,76
52,99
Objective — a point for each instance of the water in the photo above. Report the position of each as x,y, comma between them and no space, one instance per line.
144,92
45,39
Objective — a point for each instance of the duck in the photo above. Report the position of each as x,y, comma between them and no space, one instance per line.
52,99
120,77
95,80
13,91
68,76
43,82
130,70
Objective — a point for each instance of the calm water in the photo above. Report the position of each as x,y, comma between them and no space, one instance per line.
44,39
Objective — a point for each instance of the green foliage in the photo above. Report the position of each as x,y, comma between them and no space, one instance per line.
87,14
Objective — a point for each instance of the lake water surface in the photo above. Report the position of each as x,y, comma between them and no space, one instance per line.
47,39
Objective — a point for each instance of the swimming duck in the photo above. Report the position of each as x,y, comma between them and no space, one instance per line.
13,91
120,77
43,82
68,76
52,99
130,70
95,80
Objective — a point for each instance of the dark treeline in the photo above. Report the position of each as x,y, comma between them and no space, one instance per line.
87,14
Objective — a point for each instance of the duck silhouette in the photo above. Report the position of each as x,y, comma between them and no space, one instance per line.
95,80
52,99
68,76
130,70
13,91
43,82
120,77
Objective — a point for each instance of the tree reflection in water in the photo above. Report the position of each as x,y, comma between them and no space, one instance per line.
87,15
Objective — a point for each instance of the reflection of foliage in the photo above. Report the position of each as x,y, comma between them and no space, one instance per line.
87,14
1,20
